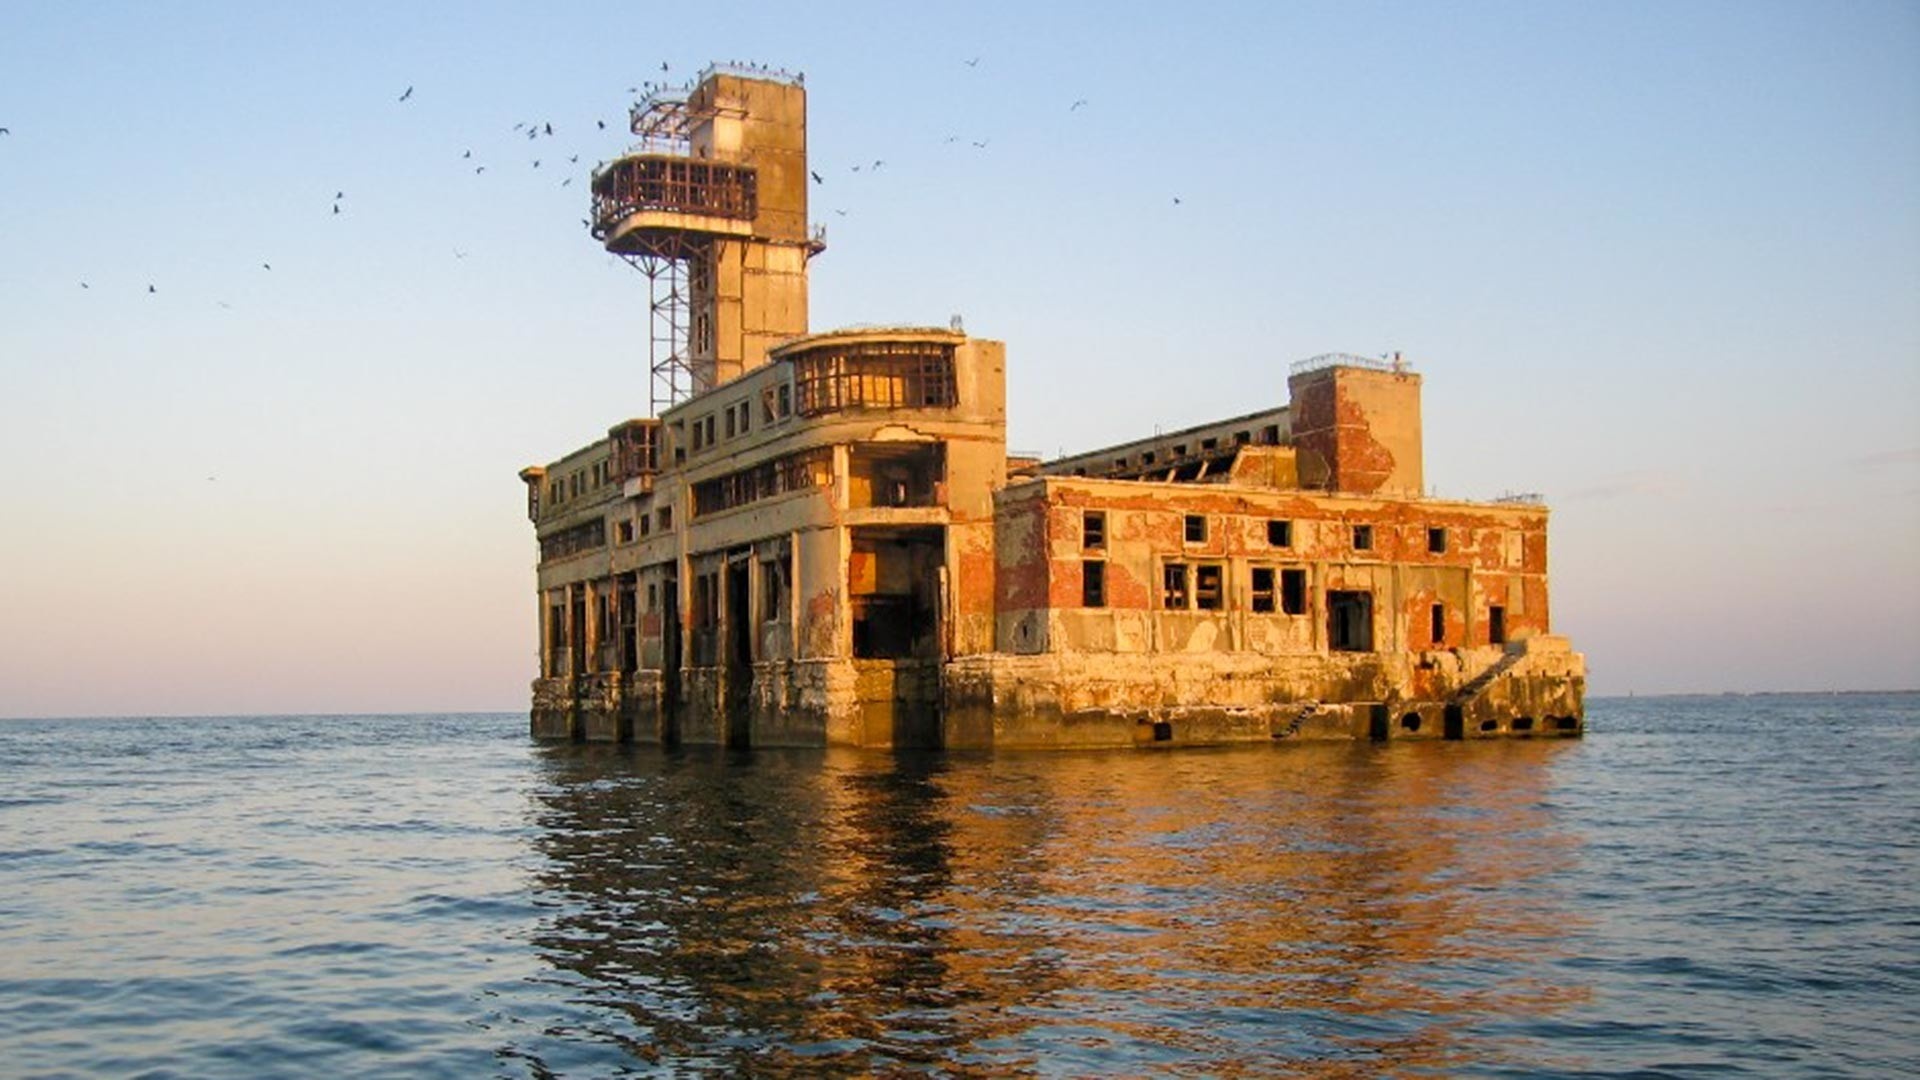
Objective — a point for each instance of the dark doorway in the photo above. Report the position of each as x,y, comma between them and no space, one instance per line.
1378,717
1349,621
1497,625
670,659
629,622
577,631
1455,724
739,653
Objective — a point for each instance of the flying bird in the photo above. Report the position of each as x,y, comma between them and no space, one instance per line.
549,128
842,213
478,169
336,208
517,127
856,168
1176,200
876,164
975,62
981,144
151,289
266,266
468,154
84,285
663,65
567,181
574,160
338,195
458,254
6,131
816,177
1076,104
536,163
407,95
602,123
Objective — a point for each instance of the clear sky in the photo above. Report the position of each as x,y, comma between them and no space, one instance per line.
1659,261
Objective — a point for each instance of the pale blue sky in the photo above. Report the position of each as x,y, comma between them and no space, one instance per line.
1660,262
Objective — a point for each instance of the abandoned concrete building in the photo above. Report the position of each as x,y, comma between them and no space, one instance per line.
819,538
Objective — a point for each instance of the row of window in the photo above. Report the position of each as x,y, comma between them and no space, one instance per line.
1267,436
776,403
1093,533
581,481
1202,587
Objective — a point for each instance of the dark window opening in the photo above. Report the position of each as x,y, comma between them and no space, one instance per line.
786,399
1208,591
1270,435
1410,722
1093,530
1093,583
1179,449
1279,533
730,415
895,474
1363,538
1497,625
1293,592
1242,438
653,596
1196,528
1146,458
1437,624
1489,725
1350,621
1173,586
1209,444
1524,723
1262,591
1162,731
1437,541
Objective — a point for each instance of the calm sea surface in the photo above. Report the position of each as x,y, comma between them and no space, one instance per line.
1703,886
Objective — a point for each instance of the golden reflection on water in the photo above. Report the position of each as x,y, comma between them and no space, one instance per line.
1310,910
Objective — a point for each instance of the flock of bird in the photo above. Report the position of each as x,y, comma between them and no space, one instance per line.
535,130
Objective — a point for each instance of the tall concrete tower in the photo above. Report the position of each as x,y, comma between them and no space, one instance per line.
711,207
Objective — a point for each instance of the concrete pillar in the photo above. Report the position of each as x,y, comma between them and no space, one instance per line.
592,607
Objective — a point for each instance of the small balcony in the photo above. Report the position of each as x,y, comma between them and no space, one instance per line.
644,185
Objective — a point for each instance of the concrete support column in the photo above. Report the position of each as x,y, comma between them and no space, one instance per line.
592,652
546,633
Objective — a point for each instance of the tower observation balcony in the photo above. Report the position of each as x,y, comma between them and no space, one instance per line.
641,197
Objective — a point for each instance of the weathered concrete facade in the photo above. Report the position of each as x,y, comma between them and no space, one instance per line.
822,541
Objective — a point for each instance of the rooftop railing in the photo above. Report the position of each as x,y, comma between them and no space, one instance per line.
670,182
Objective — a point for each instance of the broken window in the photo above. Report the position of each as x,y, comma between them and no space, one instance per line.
666,518
1196,528
646,524
766,405
1093,530
1093,583
1262,591
776,584
1293,592
875,375
1173,586
1437,541
1497,625
1363,538
1208,590
1437,621
625,531
1279,533
1270,435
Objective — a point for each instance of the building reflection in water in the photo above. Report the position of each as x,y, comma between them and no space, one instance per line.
1319,910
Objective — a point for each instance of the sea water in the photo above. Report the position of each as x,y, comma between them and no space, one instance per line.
1724,886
